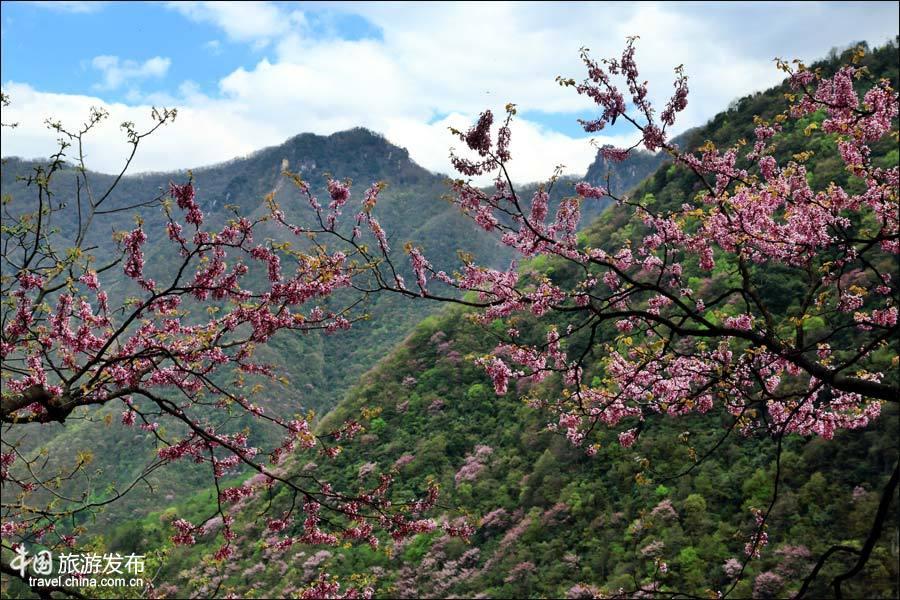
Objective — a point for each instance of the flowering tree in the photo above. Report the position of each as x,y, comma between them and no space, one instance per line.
639,341
177,352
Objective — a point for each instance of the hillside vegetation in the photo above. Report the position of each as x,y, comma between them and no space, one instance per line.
552,522
317,369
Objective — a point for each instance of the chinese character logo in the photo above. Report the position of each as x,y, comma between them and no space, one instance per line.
20,560
42,563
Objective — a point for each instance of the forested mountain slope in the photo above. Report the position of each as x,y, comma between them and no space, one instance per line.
552,522
318,369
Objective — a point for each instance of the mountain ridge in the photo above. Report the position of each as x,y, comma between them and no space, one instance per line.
320,368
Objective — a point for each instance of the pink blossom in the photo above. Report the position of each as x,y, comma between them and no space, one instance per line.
627,438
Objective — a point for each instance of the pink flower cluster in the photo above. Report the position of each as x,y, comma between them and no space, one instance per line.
677,351
474,464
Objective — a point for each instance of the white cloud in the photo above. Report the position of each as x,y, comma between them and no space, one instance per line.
256,22
117,72
536,150
204,133
458,59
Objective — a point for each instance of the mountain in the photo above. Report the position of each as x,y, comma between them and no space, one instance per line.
319,368
551,521
622,177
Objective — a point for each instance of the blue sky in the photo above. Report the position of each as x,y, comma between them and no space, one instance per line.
248,75
52,47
